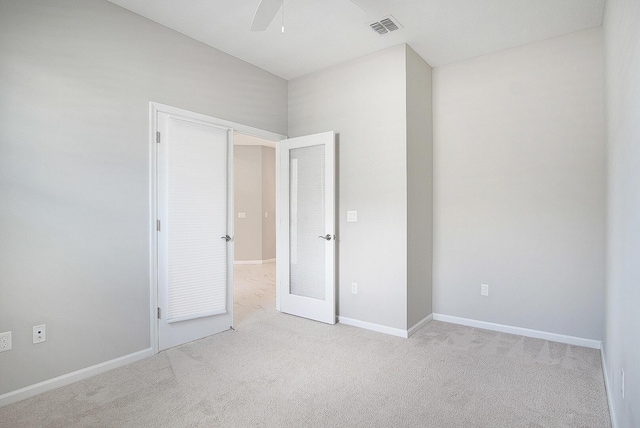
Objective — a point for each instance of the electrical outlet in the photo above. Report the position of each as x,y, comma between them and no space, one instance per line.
354,288
622,382
484,289
39,333
5,341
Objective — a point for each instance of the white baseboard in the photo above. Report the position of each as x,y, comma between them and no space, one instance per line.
609,391
66,379
253,262
419,325
374,327
554,337
385,329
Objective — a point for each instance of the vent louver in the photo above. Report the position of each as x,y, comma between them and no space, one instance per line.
385,25
379,28
389,24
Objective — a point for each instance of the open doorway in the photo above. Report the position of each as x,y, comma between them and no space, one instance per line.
255,227
169,129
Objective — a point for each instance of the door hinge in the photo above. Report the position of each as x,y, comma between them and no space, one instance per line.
158,137
158,313
158,225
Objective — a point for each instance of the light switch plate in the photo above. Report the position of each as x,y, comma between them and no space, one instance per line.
352,216
242,215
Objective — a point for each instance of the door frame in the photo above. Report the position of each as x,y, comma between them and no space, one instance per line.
154,109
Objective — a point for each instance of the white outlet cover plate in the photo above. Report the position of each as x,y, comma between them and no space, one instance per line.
352,216
39,333
484,289
5,341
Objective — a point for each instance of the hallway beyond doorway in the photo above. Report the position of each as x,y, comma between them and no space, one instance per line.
254,290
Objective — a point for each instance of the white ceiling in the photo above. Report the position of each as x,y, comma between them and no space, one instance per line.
322,33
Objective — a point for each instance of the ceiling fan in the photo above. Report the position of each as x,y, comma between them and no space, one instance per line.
267,10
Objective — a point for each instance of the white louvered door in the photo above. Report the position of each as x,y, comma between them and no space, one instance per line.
306,240
195,252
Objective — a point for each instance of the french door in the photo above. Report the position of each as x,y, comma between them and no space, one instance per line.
306,239
195,226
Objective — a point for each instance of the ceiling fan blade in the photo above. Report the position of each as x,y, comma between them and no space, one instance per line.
266,11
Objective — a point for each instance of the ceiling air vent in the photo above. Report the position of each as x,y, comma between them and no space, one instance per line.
385,25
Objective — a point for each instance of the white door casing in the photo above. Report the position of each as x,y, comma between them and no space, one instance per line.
306,241
195,224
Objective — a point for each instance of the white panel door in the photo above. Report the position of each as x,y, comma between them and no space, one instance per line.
306,238
195,251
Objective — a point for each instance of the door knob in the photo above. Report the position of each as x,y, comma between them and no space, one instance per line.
327,237
226,238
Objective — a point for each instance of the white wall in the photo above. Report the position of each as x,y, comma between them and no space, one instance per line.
419,189
254,195
622,326
519,186
247,183
268,203
364,101
76,78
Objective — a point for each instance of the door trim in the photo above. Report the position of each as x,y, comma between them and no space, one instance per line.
154,109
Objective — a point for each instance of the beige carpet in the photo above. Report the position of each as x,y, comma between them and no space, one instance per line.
281,371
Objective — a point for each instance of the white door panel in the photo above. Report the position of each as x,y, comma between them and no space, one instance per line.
306,226
195,260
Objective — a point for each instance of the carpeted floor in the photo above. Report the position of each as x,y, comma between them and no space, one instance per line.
278,370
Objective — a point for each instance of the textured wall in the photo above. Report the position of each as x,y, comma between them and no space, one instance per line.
419,189
247,183
519,196
268,203
622,334
255,195
76,78
364,101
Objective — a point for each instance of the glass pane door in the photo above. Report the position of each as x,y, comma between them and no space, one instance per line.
305,227
307,222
